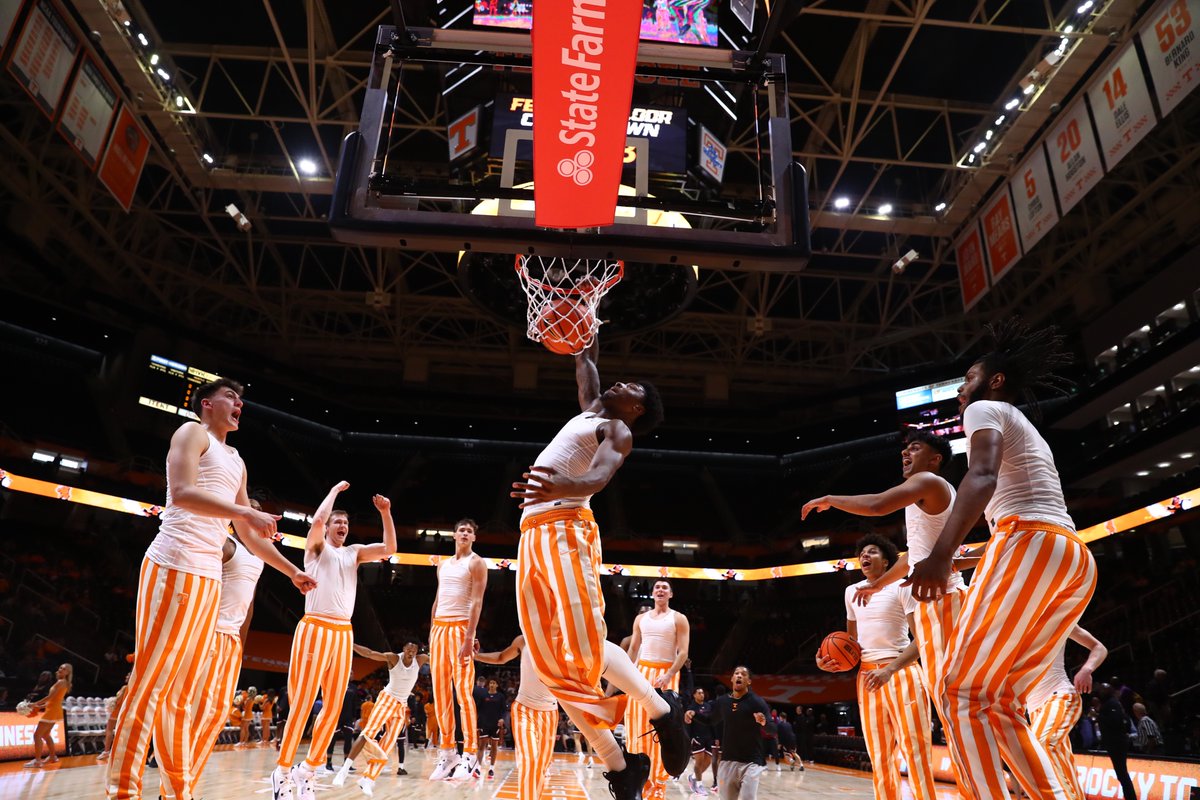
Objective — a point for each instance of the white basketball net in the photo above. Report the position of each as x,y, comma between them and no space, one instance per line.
550,279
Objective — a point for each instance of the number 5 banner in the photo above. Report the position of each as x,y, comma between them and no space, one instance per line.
1033,199
1169,41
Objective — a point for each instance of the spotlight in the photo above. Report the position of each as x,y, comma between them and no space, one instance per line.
841,202
1000,120
1143,473
979,148
179,101
885,209
1011,104
142,38
1163,464
162,73
988,134
307,166
940,207
1083,9
1029,87
207,158
154,60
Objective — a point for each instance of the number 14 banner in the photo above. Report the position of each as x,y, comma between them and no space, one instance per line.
1121,105
1169,41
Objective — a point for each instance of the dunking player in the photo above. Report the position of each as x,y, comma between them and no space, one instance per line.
452,622
660,642
535,715
559,601
178,591
1036,577
321,647
1055,706
892,701
390,713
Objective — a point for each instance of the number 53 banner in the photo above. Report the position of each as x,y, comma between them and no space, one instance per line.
1169,41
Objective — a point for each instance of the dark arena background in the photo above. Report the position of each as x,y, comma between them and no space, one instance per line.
323,201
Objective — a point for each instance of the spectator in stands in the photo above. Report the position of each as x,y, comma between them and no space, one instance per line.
1148,740
51,707
1158,698
1114,735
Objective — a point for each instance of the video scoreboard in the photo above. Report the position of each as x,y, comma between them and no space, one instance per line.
168,386
934,407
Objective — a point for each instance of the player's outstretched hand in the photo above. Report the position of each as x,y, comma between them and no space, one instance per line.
383,504
539,484
928,578
261,522
816,504
304,582
862,595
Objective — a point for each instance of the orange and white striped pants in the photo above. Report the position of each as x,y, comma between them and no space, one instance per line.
1052,722
560,606
897,714
935,622
210,701
390,714
1031,588
534,733
637,725
452,676
320,660
175,622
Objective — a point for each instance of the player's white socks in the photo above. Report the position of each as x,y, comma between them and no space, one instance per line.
620,672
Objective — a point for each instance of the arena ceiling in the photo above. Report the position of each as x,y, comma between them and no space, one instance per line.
887,98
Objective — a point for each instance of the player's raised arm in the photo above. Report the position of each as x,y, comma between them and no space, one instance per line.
587,375
388,658
503,656
919,488
315,540
384,549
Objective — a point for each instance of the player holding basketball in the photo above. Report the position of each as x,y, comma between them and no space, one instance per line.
1034,567
452,623
178,590
321,647
892,701
559,601
390,713
660,641
1055,706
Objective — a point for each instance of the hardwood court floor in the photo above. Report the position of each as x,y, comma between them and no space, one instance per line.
233,774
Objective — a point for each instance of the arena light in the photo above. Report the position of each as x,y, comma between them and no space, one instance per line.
1083,9
1143,473
885,209
179,101
154,59
841,203
207,158
1011,104
1163,464
1177,307
979,148
73,464
1000,120
297,516
940,207
988,134
141,37
162,73
44,456
307,166
1186,455
1029,87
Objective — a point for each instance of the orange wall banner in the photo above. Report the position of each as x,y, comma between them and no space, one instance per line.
803,690
16,736
121,167
1155,511
270,652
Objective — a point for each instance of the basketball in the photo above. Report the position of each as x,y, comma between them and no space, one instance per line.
842,649
563,325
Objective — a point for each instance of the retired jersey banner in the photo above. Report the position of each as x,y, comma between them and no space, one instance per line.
1169,41
972,272
1033,199
1074,156
584,55
1121,105
1000,234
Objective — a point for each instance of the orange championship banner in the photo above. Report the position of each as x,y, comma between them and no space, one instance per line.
121,167
1185,501
16,736
584,55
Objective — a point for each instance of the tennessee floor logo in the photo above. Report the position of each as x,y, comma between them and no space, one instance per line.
578,168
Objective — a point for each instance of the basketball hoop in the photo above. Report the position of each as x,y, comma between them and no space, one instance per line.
564,295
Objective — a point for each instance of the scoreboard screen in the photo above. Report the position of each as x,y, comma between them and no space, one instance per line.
934,407
168,386
674,21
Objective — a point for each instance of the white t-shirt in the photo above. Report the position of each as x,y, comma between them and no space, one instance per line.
402,679
336,573
658,637
239,579
532,693
453,600
922,531
1028,485
570,454
1055,680
882,623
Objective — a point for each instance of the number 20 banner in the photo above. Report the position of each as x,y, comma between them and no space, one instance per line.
1169,42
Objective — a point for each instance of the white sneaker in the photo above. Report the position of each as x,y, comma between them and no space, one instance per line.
465,768
322,771
442,769
302,780
367,785
281,784
339,780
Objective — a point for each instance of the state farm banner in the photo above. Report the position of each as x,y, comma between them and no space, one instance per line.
1172,52
584,55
